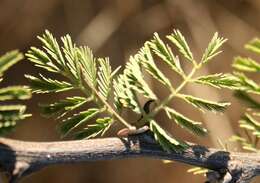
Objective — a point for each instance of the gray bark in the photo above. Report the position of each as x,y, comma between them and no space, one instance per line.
21,158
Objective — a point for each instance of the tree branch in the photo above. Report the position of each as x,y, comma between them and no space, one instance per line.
21,158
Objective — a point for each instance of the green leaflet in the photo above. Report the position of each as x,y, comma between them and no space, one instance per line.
72,59
219,80
71,123
245,144
105,77
249,123
9,114
252,103
206,104
9,59
246,64
254,46
212,49
165,53
235,81
41,59
246,84
12,112
61,107
7,126
178,39
167,142
135,79
88,63
15,92
125,95
145,58
47,85
52,47
99,128
193,126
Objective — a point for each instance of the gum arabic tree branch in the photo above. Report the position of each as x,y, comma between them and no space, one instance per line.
21,158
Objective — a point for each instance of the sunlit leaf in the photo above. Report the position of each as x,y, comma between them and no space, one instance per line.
167,142
15,92
104,77
63,106
254,45
145,58
219,81
41,59
193,126
252,103
213,48
9,59
178,39
165,53
206,104
89,66
47,85
99,128
71,123
246,64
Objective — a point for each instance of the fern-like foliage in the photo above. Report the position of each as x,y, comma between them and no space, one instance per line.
11,113
248,92
131,84
81,71
110,93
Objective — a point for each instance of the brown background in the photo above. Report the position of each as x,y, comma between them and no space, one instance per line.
117,28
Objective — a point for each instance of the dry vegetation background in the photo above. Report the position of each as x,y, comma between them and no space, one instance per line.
117,28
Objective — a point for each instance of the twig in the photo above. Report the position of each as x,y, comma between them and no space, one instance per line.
21,158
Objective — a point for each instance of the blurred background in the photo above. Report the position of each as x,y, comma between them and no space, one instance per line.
117,29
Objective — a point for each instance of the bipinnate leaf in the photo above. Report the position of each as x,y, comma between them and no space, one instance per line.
254,45
245,97
167,142
251,124
248,146
165,53
124,94
10,114
145,58
9,59
192,126
206,104
213,48
219,80
67,125
178,39
41,59
14,93
246,64
94,130
61,107
47,85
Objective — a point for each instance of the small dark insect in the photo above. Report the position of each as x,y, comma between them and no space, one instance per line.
146,108
126,131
